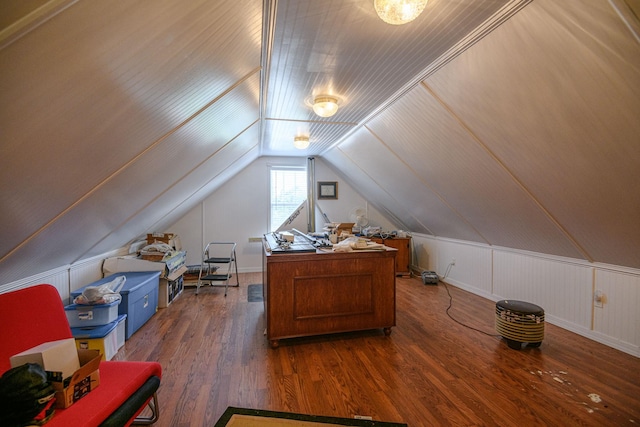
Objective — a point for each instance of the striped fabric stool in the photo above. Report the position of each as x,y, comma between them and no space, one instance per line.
520,322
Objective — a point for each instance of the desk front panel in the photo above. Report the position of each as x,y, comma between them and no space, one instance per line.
310,294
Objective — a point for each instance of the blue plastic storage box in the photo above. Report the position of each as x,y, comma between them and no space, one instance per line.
91,315
108,339
139,297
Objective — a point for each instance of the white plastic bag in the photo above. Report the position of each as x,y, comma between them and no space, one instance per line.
105,293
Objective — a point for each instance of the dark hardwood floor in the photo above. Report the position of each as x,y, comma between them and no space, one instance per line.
431,371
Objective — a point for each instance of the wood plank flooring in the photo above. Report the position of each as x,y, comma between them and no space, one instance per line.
431,371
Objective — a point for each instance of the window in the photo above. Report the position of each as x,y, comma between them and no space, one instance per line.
288,191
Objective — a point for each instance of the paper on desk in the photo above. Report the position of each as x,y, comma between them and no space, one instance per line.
357,244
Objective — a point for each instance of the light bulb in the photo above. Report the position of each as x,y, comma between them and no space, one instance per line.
398,12
301,142
325,106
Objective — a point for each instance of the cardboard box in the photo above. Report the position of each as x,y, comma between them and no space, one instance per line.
152,256
169,290
344,227
58,358
170,239
82,381
177,273
131,263
159,237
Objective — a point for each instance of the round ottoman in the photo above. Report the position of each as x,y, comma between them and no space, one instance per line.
520,322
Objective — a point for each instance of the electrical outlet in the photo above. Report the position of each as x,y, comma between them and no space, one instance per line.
599,299
453,261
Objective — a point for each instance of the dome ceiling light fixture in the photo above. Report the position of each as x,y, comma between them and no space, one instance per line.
398,12
301,142
325,105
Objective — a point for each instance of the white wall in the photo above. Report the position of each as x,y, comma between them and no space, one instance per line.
348,201
563,287
239,210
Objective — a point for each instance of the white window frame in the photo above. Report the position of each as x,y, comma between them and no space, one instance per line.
274,168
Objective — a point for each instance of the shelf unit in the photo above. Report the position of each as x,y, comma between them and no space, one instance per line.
403,257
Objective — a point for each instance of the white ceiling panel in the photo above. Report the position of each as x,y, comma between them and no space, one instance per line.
393,177
341,48
108,208
563,116
99,83
186,193
280,135
443,154
358,178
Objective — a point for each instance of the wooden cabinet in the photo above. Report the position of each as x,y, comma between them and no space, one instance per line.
403,258
326,292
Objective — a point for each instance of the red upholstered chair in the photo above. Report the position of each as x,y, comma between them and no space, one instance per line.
34,315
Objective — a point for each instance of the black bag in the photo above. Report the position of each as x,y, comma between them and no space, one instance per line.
26,397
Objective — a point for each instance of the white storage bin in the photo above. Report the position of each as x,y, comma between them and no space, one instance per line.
107,339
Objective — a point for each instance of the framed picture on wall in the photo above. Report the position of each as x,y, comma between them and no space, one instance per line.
327,190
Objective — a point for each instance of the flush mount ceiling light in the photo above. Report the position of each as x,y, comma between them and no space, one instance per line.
325,106
301,142
398,12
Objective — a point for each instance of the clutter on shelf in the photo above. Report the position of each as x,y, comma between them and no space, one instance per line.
157,252
160,246
355,243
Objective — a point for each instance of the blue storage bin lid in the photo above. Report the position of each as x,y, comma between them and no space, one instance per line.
134,281
71,307
88,332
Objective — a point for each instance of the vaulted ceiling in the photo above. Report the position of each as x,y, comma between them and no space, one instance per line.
510,123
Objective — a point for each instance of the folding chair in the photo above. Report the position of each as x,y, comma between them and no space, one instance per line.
216,253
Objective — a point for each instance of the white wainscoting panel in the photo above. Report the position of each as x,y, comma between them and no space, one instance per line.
58,277
562,289
84,272
66,278
619,317
473,267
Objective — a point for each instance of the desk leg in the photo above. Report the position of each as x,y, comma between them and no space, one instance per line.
274,343
387,331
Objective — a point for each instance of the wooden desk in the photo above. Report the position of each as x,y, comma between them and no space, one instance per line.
326,292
